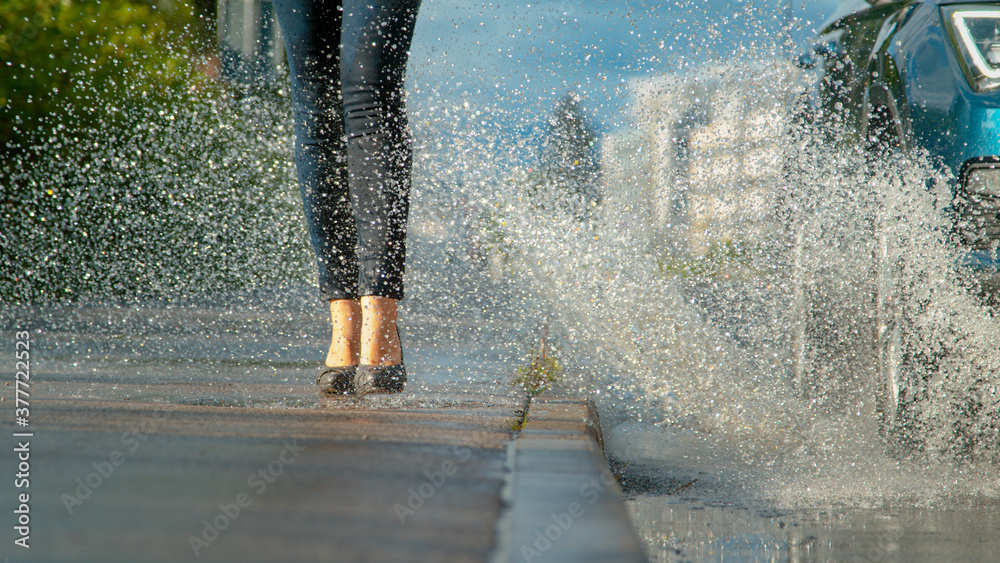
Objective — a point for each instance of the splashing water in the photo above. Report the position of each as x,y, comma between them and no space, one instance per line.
678,299
717,299
167,195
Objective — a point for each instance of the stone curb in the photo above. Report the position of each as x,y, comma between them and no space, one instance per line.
563,504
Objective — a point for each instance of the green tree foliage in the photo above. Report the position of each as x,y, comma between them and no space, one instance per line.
569,175
127,169
58,54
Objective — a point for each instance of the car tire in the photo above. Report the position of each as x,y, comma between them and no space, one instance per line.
826,362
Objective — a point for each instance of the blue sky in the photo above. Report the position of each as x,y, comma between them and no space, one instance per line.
516,59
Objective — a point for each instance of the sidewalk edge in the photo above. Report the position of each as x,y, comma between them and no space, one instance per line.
562,502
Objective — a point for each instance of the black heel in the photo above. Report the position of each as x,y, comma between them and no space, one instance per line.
371,379
336,381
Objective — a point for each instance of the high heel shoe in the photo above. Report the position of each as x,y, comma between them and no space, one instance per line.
336,381
371,379
379,379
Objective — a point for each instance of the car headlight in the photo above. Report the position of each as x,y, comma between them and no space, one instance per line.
975,30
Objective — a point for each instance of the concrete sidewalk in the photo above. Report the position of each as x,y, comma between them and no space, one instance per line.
177,433
353,480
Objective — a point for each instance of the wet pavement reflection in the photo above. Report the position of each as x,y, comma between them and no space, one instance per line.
681,530
256,356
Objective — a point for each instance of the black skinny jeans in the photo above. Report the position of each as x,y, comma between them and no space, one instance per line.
347,61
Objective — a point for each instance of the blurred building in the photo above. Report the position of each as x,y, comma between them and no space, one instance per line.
704,164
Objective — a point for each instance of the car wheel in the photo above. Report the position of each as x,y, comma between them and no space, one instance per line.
826,362
826,359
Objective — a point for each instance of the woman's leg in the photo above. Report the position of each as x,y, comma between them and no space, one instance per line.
345,345
311,31
376,38
376,41
379,337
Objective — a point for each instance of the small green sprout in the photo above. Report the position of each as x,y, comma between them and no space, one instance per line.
541,372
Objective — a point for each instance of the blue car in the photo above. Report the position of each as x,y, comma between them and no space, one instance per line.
908,75
924,74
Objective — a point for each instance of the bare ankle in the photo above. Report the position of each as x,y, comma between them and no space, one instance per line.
345,343
379,335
